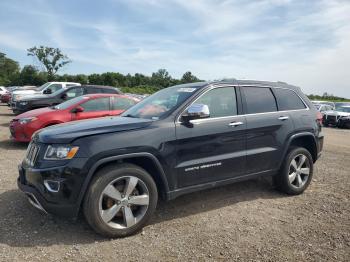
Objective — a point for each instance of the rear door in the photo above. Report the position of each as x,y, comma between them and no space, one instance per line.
120,104
96,107
267,129
212,149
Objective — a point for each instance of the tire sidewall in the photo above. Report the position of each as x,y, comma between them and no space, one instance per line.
284,179
99,183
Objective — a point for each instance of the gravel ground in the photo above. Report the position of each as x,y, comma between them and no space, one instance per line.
240,222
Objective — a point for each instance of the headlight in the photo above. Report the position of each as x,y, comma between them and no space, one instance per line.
26,120
17,97
60,152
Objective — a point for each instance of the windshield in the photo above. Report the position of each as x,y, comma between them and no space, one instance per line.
70,102
41,88
161,103
344,109
339,105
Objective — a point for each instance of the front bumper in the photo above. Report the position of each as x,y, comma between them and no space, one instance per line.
17,107
21,133
62,201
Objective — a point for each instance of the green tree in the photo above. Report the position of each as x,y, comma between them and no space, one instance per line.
9,70
30,75
51,58
189,78
161,78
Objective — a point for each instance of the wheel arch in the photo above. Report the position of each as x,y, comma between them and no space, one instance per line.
306,140
145,160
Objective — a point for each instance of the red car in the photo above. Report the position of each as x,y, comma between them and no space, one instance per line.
83,107
5,98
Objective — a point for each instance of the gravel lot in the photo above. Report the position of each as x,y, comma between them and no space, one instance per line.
242,222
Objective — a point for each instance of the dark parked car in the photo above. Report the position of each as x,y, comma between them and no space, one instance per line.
38,101
179,140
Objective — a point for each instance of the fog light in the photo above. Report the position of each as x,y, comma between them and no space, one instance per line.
52,186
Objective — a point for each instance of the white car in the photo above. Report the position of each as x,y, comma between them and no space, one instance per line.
332,117
47,88
323,108
3,90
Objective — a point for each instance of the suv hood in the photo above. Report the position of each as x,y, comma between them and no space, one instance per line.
26,92
36,96
67,132
336,113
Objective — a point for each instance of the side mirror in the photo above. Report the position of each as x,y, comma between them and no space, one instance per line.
196,111
64,96
78,109
47,91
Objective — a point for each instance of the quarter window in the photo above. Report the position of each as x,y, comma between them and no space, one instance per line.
98,104
221,101
288,100
259,100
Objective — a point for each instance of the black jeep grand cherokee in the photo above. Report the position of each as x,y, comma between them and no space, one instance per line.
181,139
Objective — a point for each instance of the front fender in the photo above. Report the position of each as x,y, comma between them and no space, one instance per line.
111,159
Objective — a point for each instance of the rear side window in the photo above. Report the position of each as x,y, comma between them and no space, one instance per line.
288,100
74,92
109,91
259,100
122,103
98,104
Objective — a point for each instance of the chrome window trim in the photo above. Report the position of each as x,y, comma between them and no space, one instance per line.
211,87
197,121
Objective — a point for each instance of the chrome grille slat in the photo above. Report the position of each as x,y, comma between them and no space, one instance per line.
32,153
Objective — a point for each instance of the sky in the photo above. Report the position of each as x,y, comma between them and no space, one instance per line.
304,43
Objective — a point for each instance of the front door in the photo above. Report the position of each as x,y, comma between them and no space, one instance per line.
96,107
212,149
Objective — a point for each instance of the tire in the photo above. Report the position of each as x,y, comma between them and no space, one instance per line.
293,179
112,208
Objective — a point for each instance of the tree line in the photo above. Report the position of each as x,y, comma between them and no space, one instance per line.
52,59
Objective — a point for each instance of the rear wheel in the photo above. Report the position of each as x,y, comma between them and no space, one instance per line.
296,173
120,200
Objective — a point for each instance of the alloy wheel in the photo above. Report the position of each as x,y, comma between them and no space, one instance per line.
124,202
299,171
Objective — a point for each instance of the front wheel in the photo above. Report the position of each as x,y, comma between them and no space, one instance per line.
120,200
296,173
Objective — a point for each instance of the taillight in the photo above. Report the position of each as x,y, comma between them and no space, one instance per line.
319,117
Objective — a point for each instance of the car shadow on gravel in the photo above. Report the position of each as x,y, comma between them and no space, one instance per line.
10,145
216,198
21,225
5,124
7,114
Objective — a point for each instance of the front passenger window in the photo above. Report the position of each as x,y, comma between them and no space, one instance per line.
221,101
74,92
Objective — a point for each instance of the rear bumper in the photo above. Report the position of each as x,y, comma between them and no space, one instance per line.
320,141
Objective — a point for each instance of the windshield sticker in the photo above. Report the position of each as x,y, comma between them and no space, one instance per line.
186,89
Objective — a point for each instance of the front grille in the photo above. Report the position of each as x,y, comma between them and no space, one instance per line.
32,153
332,119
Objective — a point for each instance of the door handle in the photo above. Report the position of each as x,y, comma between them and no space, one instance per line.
235,124
283,118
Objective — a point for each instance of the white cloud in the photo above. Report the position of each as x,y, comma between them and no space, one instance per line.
302,42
